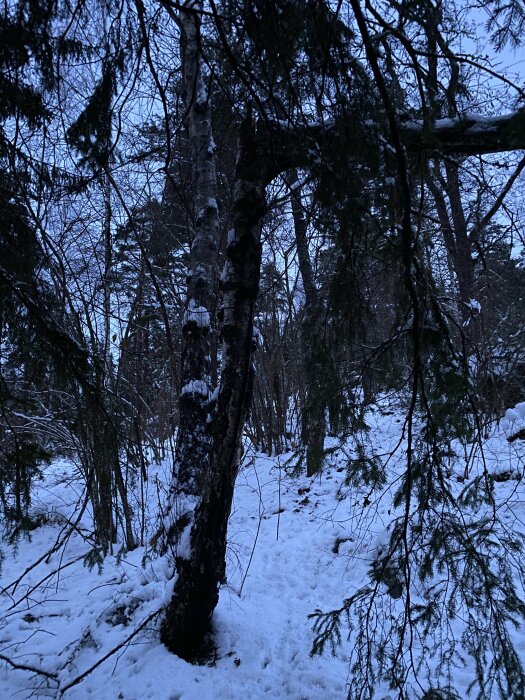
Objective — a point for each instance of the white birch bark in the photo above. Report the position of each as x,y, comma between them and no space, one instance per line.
193,440
201,568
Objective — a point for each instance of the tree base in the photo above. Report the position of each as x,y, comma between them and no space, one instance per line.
186,629
200,652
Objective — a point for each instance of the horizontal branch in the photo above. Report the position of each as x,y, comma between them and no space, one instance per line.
287,146
468,134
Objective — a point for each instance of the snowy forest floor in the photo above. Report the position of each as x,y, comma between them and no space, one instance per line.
295,545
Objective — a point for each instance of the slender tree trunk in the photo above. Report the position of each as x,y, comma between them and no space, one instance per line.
464,264
201,566
456,237
99,464
313,414
193,439
127,512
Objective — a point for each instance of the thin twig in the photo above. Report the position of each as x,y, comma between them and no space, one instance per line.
261,514
110,653
25,667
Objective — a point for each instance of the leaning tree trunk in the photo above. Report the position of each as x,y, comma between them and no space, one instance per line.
201,567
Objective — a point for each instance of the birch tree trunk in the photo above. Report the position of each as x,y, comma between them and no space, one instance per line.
201,566
193,439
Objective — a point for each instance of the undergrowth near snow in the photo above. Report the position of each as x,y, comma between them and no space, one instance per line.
310,567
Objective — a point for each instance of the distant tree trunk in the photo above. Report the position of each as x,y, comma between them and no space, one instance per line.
463,261
99,460
201,566
313,427
460,243
452,218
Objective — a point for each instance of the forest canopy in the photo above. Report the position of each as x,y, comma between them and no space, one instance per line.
235,225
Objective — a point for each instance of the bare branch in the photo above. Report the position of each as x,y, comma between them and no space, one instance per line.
25,667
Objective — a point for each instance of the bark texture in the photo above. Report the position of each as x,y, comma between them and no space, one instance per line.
201,569
298,146
193,439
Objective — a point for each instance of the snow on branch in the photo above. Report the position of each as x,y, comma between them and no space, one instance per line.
31,669
290,146
468,134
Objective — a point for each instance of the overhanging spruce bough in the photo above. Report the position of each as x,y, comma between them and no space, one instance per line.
266,149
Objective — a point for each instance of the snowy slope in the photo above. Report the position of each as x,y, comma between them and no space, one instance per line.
282,527
284,530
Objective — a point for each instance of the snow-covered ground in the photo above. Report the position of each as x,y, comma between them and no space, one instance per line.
284,533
